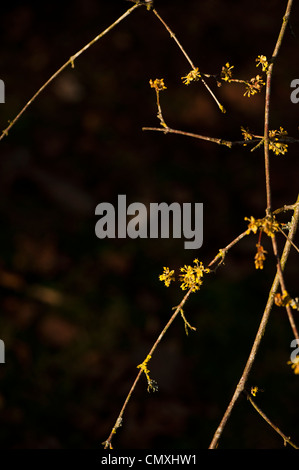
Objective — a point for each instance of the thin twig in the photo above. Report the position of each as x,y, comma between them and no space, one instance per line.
293,244
222,252
107,444
69,62
216,140
287,440
285,208
168,130
283,287
173,36
267,103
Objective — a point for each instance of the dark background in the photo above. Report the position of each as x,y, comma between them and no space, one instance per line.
78,314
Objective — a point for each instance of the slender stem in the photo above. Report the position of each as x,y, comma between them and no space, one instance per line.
107,443
168,130
216,140
283,287
174,38
241,384
292,322
159,114
285,208
287,440
267,103
293,244
266,141
188,58
69,62
223,251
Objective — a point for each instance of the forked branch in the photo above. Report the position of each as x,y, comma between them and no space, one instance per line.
242,382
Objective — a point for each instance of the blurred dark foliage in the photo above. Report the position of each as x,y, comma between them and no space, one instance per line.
79,314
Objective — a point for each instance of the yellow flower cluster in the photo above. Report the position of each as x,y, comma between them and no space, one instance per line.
274,145
167,276
191,276
226,72
152,384
275,139
254,85
284,300
254,390
246,133
262,60
268,224
191,76
158,84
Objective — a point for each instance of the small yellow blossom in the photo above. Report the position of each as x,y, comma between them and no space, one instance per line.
259,257
254,390
226,72
254,85
284,300
274,145
167,276
253,225
191,76
158,84
246,134
152,384
269,225
262,60
192,276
